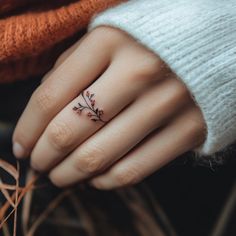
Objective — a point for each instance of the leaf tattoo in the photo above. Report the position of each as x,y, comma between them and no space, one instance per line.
93,113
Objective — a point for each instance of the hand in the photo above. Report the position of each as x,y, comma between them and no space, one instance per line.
109,111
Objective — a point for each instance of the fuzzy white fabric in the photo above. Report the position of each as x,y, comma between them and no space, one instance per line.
197,39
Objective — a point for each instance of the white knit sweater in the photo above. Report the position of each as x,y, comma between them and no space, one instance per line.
197,39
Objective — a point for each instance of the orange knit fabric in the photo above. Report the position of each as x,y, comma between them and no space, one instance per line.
33,37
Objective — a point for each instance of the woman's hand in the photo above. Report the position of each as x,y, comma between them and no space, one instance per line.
109,111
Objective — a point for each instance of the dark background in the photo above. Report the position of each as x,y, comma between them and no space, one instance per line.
197,199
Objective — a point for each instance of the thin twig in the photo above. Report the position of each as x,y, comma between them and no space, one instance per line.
6,218
16,201
54,203
5,207
6,195
27,203
6,230
228,209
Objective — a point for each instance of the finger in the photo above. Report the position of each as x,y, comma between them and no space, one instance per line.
113,91
127,129
62,58
184,133
70,128
71,77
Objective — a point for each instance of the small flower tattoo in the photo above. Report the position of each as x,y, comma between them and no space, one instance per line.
95,114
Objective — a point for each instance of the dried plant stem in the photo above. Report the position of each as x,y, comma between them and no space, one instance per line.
46,212
10,169
81,211
28,187
22,192
4,208
16,201
6,218
27,203
8,186
227,212
6,230
7,195
142,217
158,209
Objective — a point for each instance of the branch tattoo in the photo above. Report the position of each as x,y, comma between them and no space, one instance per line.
95,114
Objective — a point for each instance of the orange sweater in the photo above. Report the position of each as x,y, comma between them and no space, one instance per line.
33,33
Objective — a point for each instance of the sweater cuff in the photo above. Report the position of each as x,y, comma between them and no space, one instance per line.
197,40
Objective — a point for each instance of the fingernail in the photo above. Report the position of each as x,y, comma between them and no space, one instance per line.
18,150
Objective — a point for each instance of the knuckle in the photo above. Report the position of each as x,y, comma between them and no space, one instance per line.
36,164
98,34
146,68
60,59
99,31
108,36
180,91
89,166
175,93
151,65
197,119
60,136
55,179
197,127
90,160
43,99
127,177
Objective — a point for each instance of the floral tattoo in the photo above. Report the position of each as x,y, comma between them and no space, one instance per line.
92,112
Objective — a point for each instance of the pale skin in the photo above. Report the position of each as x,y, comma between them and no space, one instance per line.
150,116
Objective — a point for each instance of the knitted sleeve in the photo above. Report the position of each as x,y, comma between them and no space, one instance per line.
197,40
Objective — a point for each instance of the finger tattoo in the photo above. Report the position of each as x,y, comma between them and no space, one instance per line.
88,106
